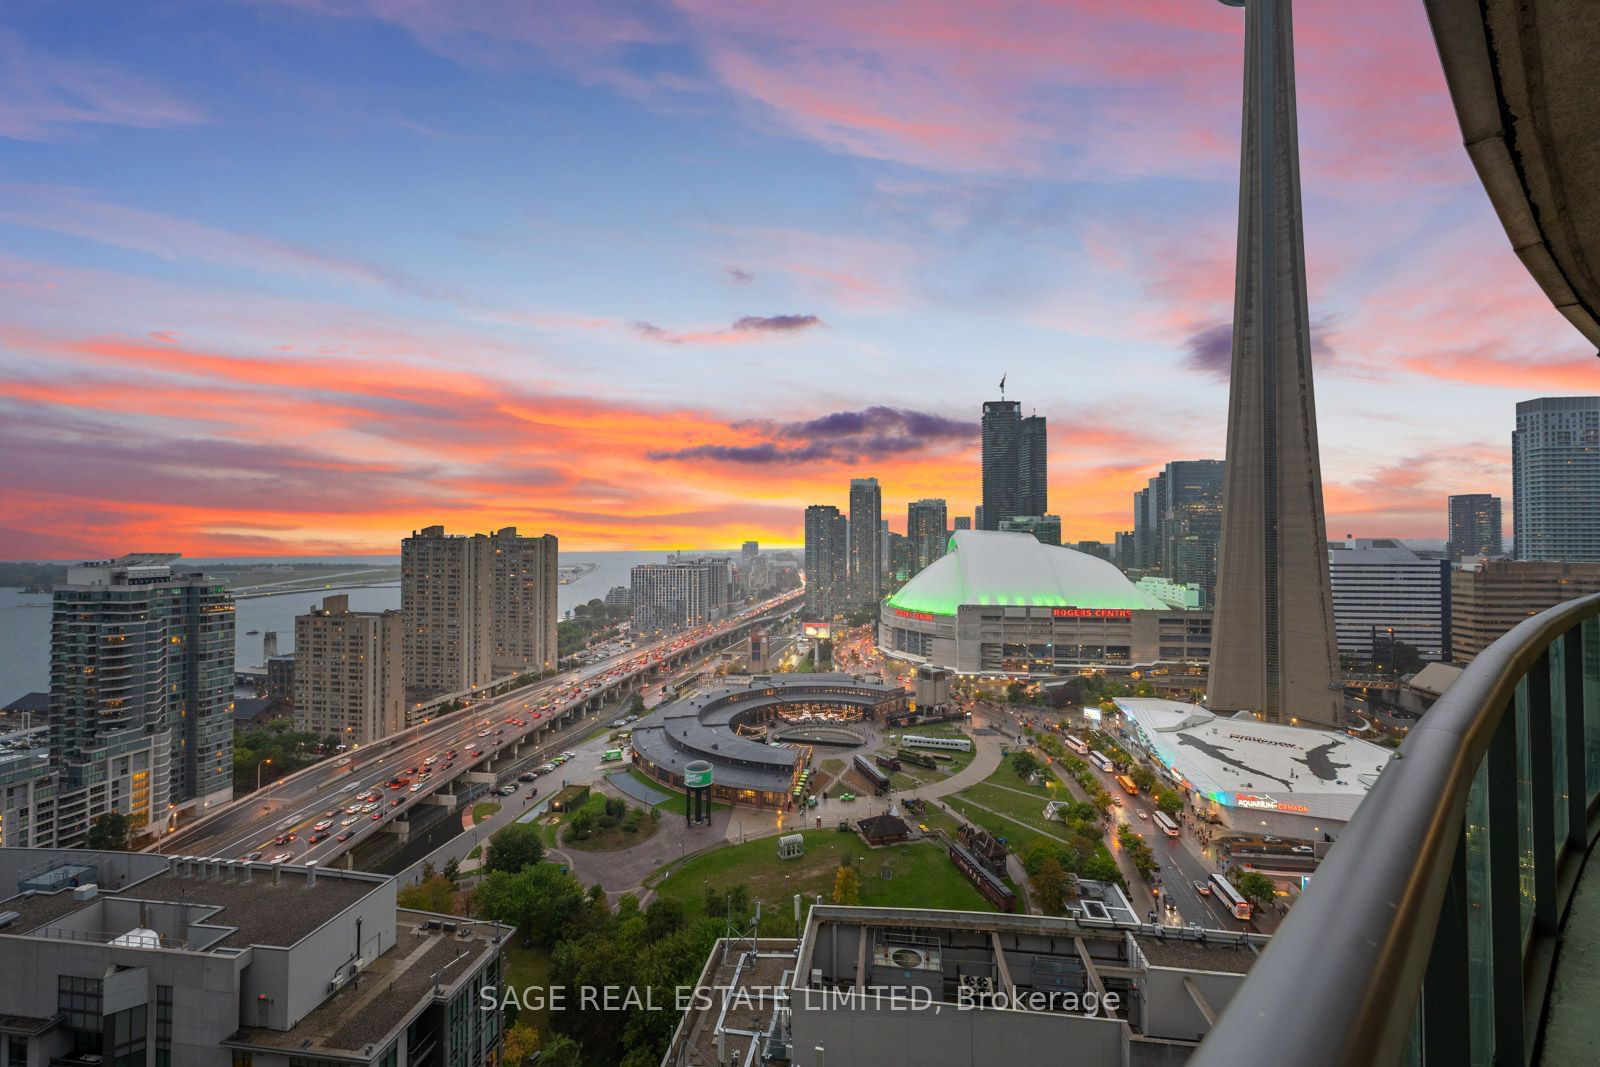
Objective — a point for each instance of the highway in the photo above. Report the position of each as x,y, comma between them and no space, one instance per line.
516,722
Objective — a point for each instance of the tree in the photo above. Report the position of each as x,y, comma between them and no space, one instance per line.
1256,888
538,900
636,705
1144,778
846,886
521,1041
1169,801
110,833
663,918
452,872
560,1051
1016,693
1050,887
1025,764
434,893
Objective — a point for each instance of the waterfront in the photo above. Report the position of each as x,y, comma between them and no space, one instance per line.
25,618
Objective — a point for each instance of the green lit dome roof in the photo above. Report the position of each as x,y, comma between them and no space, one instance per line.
994,567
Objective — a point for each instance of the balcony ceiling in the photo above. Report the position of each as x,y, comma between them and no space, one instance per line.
1522,76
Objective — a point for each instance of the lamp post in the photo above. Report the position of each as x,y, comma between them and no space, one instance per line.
260,765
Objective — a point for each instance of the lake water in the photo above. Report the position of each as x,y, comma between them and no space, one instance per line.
25,618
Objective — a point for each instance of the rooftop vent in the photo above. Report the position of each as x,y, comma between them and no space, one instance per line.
86,892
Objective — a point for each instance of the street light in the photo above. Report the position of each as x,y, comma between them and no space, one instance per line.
260,765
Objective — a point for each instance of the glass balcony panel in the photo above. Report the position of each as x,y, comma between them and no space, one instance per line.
1558,738
1591,706
1480,946
1525,880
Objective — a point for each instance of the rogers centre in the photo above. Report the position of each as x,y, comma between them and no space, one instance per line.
1002,603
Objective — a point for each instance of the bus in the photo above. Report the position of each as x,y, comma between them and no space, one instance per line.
1099,760
953,744
612,755
1164,821
1224,891
1077,744
1128,785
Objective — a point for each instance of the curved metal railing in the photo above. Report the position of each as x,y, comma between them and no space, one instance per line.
1428,932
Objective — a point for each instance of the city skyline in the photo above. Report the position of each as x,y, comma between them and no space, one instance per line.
465,314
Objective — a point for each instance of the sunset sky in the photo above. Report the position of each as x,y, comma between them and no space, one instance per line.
299,276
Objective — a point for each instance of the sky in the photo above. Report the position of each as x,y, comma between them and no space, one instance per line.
296,277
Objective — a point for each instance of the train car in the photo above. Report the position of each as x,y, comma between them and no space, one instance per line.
993,888
875,778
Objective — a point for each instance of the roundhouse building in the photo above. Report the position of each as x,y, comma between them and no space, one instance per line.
1002,603
745,770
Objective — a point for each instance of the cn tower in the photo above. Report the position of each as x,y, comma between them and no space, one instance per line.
1272,648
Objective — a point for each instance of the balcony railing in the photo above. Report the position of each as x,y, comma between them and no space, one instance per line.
1429,932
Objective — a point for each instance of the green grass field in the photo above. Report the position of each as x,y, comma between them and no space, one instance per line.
922,875
675,803
525,967
610,838
483,810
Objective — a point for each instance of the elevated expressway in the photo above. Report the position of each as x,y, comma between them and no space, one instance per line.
555,710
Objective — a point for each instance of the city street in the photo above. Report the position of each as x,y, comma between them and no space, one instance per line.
304,800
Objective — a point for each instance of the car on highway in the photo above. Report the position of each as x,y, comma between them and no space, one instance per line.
323,825
369,806
329,814
416,787
252,857
348,820
1203,888
375,816
347,835
1301,849
282,857
283,839
430,761
1144,815
316,839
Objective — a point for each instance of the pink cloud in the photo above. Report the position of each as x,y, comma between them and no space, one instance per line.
43,96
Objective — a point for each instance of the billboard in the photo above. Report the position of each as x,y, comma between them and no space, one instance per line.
822,631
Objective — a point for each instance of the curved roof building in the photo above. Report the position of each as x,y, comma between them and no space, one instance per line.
994,567
1004,603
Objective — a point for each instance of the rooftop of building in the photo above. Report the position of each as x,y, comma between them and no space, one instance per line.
1006,568
1368,551
33,703
754,986
1241,762
430,957
700,727
220,909
1435,678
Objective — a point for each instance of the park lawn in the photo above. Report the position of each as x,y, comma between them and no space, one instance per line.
935,818
1022,809
675,804
525,967
1018,834
483,810
610,838
1006,775
476,852
831,766
922,875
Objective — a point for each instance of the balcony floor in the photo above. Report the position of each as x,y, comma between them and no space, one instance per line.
1572,1026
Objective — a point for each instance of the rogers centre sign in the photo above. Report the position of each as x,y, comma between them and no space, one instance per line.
1092,613
923,616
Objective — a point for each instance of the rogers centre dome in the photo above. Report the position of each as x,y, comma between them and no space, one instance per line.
1003,603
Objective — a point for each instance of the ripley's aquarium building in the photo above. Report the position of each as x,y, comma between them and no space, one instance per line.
1003,604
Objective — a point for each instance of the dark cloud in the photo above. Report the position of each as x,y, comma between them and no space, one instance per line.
743,329
776,323
740,276
840,437
1210,351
